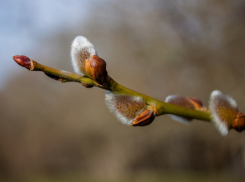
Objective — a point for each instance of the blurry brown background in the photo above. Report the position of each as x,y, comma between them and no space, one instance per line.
159,48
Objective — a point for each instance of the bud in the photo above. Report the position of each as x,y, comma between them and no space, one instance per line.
224,112
96,69
239,123
81,50
126,108
144,119
197,104
23,61
187,102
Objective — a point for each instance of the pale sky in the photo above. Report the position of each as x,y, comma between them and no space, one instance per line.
22,22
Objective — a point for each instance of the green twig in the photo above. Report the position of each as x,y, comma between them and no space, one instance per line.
160,107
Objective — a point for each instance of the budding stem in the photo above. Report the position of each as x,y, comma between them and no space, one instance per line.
160,106
61,75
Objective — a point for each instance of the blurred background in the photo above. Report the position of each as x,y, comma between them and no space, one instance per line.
51,131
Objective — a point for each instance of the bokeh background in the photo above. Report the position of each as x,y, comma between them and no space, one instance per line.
51,131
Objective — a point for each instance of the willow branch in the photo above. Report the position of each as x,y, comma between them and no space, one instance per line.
160,107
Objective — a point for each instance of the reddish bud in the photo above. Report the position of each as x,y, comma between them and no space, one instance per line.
239,123
96,68
23,61
144,119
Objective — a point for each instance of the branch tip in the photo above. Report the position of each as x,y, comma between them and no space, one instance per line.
23,61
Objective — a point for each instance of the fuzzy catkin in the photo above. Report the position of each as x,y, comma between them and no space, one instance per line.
126,108
223,111
81,49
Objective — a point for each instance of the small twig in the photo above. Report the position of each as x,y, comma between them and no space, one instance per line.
131,107
159,107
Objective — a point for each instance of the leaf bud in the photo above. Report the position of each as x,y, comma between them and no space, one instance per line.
96,69
23,61
145,118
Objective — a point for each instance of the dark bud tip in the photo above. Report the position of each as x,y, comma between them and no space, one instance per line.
144,119
23,61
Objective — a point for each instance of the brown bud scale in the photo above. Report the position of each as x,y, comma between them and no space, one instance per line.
96,68
239,123
144,119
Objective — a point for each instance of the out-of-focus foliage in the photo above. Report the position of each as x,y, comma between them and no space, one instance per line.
158,48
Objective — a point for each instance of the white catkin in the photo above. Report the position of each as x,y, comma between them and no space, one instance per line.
215,99
81,49
126,108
